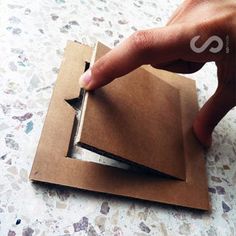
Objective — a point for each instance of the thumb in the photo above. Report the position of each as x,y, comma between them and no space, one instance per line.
223,100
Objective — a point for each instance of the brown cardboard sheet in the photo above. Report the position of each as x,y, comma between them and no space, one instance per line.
52,164
136,118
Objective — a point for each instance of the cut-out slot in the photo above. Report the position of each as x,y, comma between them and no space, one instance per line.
77,152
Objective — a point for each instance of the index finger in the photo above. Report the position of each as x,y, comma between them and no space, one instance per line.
158,46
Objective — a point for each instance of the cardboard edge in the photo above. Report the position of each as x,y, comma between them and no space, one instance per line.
84,103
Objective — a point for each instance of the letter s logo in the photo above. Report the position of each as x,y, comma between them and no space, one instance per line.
201,49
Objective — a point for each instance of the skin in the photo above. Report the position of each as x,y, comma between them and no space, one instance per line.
169,48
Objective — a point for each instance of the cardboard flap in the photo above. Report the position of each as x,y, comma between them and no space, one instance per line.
137,119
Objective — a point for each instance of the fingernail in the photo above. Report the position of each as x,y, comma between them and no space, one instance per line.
85,79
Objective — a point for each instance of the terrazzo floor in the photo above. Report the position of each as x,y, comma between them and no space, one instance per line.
33,35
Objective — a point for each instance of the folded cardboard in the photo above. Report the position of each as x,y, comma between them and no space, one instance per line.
137,119
177,107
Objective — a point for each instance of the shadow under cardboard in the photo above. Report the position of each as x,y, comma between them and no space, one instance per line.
124,200
133,166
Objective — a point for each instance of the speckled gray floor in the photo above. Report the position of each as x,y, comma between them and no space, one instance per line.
32,37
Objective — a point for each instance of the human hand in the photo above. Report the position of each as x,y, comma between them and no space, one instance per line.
169,48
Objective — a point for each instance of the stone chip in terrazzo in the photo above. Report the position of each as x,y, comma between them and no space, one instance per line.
92,231
225,207
100,222
105,208
12,144
11,233
29,127
81,225
18,221
184,229
144,227
16,30
27,232
26,116
220,190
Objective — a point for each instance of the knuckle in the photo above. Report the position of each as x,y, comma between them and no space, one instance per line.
203,27
211,27
141,40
